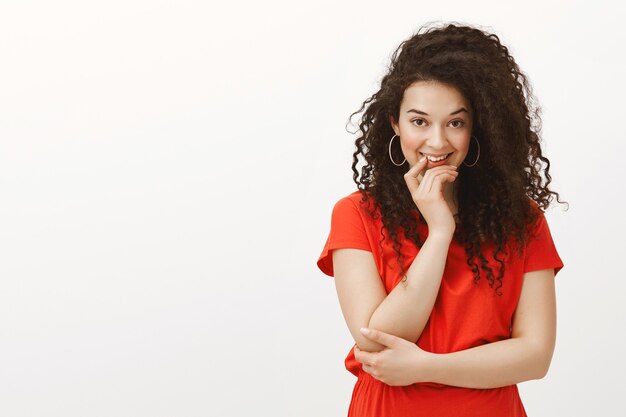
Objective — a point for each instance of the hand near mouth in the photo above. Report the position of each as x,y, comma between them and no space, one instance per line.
427,192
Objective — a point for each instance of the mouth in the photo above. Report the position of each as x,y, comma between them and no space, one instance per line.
436,161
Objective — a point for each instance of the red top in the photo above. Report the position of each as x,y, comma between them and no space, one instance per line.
464,315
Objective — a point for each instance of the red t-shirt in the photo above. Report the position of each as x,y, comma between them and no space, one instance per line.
464,315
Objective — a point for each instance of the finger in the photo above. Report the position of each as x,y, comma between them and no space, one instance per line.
431,174
414,175
415,171
441,179
383,338
362,356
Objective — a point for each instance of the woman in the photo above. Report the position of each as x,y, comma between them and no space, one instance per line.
451,206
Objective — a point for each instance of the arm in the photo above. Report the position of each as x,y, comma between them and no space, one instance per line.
365,303
407,308
527,355
363,298
405,311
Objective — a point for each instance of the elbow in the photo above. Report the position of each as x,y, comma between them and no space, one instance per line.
363,342
540,359
367,345
543,364
406,332
544,370
540,374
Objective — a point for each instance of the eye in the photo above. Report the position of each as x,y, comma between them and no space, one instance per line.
460,122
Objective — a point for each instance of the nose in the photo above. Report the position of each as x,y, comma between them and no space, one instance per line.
437,141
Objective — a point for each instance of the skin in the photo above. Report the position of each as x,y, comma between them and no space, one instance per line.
527,354
401,363
442,127
436,133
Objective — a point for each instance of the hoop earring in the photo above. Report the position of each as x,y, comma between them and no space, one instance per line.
477,156
391,157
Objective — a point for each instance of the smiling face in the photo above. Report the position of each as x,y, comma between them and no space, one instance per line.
435,119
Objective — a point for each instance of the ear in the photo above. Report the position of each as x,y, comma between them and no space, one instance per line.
394,125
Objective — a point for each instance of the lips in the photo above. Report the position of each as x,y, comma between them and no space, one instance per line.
435,156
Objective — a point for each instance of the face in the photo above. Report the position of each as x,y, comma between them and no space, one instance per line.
435,119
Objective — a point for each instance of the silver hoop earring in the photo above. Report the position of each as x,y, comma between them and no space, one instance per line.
391,157
477,156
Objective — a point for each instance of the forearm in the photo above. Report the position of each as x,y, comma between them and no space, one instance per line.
406,309
493,365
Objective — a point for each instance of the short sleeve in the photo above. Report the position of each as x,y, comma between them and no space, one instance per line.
347,230
540,250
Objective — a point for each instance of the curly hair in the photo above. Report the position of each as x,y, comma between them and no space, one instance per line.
495,196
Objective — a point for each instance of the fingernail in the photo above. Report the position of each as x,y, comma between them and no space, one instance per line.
423,159
364,330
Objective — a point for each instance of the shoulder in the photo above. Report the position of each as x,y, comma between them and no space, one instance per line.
540,248
353,208
537,219
355,202
356,196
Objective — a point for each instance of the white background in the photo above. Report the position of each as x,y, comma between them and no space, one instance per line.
167,174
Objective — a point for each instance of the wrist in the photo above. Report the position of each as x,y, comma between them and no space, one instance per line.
429,370
424,367
441,235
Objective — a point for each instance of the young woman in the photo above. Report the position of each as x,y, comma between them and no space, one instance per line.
444,252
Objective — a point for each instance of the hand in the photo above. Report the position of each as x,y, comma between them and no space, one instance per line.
427,192
400,363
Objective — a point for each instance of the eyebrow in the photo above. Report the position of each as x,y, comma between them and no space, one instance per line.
451,114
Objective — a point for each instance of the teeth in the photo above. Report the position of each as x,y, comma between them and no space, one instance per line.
432,159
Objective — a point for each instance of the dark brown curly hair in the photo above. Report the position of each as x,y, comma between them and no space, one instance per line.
495,196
